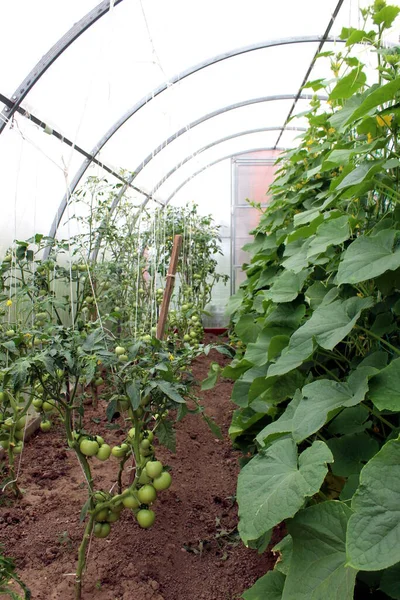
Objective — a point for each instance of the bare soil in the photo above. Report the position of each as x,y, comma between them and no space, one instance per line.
193,552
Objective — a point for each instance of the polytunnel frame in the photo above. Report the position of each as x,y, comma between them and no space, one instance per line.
52,55
179,77
89,19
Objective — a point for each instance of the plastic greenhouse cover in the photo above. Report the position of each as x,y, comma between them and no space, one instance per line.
135,47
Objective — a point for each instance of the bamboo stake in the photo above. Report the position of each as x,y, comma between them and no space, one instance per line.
169,287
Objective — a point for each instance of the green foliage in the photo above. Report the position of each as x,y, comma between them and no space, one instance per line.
321,305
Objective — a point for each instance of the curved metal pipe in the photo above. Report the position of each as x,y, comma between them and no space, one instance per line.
203,149
220,141
214,162
51,56
162,87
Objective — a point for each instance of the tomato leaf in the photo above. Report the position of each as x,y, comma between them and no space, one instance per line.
133,393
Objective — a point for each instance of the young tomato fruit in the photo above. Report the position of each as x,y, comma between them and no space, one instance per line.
45,425
154,468
162,482
145,518
130,502
104,452
101,530
88,447
147,494
118,452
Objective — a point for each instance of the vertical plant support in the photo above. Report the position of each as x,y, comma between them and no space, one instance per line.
169,287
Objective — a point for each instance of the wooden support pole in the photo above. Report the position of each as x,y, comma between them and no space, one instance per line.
169,287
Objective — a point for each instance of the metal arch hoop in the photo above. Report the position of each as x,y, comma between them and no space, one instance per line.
214,162
215,143
161,88
51,56
180,164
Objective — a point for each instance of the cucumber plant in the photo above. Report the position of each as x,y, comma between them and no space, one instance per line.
317,370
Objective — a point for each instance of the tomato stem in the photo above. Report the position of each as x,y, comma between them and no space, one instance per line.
80,569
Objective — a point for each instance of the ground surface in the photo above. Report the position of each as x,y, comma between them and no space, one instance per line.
183,557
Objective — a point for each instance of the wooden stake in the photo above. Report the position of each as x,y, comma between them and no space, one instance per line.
169,287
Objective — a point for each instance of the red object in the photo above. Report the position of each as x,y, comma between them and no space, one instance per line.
216,330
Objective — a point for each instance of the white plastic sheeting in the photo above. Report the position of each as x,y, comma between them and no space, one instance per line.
132,50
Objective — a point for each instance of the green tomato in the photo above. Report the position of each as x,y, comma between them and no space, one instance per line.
82,268
193,333
154,468
89,447
113,516
130,502
144,478
48,406
162,482
21,423
147,494
123,358
145,444
119,350
10,333
98,381
19,435
8,423
148,435
102,515
102,530
145,518
18,448
104,452
101,496
3,396
99,440
118,452
45,425
37,404
186,338
4,444
131,433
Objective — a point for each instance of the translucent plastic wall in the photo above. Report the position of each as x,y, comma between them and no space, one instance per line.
171,92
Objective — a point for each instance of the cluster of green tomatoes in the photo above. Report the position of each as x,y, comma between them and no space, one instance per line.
151,479
8,422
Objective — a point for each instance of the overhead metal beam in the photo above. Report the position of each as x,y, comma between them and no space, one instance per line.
179,77
122,191
68,142
51,56
215,143
211,164
311,66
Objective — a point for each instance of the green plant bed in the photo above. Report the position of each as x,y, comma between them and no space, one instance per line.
317,370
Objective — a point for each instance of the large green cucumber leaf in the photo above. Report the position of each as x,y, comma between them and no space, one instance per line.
285,550
348,85
373,98
384,387
369,256
320,401
373,535
351,452
328,325
287,286
270,587
282,426
274,484
317,570
390,582
334,232
257,352
350,420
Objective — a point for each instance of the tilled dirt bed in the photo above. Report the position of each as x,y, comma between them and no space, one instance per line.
192,552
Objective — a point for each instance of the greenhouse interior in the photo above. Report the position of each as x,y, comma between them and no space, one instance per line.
200,300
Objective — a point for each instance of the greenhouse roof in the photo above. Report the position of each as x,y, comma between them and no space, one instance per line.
159,89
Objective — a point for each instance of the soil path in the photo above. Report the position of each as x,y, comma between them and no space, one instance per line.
192,552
